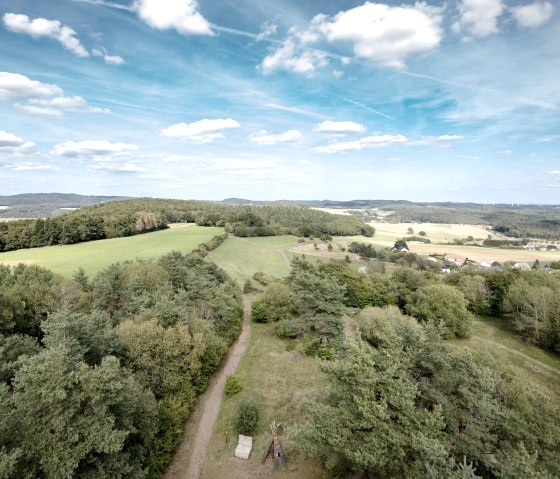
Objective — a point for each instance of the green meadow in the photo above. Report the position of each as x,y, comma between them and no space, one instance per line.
243,257
93,256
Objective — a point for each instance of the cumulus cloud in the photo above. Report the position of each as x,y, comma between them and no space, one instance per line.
264,138
92,149
202,131
41,27
14,86
385,34
110,59
41,98
340,127
381,141
181,15
11,144
479,17
534,15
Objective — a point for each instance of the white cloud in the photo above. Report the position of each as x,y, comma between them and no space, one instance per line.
182,15
554,173
30,165
433,140
385,34
113,59
340,127
9,139
267,29
110,59
41,98
202,131
375,141
14,86
41,27
479,17
123,168
534,15
11,144
380,141
264,138
293,56
91,148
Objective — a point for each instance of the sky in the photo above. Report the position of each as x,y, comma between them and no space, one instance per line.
282,99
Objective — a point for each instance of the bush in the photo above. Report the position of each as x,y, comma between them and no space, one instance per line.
233,385
247,417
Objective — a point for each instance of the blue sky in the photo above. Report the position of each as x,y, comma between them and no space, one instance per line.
282,99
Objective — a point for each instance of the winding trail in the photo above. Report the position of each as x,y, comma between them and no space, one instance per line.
190,456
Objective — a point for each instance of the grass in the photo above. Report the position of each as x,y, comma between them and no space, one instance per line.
280,382
243,257
93,256
536,367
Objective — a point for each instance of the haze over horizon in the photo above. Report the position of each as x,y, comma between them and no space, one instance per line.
426,101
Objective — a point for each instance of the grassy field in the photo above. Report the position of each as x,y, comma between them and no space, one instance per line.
243,257
93,256
280,381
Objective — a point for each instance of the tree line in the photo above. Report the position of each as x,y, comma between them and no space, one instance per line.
99,375
130,217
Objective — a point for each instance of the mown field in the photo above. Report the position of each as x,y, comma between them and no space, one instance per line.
93,256
243,257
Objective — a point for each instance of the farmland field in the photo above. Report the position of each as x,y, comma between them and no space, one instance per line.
93,256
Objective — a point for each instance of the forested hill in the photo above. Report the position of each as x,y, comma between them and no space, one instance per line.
140,215
520,221
42,205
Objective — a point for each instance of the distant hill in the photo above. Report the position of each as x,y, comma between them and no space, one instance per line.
241,201
46,205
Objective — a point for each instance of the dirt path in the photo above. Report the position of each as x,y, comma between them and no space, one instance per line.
285,257
524,356
189,457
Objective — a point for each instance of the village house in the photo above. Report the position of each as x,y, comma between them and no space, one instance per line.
487,263
455,259
522,266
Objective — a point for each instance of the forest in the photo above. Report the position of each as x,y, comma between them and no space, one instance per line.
130,217
99,375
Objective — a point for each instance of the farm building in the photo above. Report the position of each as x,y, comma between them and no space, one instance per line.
522,266
552,247
487,263
456,259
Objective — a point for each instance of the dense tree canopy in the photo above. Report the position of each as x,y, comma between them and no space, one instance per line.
99,377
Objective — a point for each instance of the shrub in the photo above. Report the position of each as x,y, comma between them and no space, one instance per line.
233,385
247,417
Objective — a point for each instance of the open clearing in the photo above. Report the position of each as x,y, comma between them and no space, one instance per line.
243,257
280,382
93,256
436,232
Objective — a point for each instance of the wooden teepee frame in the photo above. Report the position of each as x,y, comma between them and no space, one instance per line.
274,448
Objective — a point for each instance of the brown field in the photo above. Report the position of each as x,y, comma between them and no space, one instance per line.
478,254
